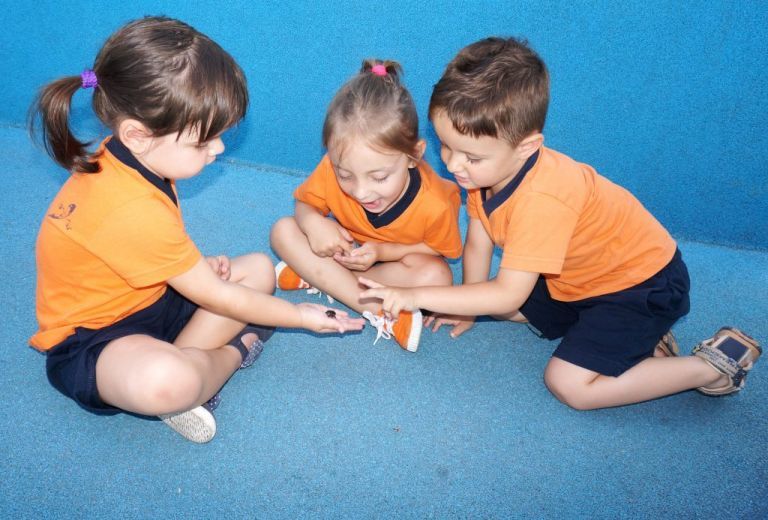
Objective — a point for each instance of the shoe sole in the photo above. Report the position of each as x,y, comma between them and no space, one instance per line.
197,425
415,336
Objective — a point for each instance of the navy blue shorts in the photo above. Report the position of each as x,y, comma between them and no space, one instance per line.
71,365
610,334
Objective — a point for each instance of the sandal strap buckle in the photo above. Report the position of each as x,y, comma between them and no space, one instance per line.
721,362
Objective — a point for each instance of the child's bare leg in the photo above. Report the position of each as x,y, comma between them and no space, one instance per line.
414,270
207,330
291,245
326,274
652,378
144,375
148,376
516,316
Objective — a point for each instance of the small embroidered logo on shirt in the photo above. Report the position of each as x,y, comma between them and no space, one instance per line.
64,213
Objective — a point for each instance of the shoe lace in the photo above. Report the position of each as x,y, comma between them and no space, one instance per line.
318,292
382,324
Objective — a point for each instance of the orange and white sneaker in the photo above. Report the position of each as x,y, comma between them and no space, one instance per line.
406,329
289,280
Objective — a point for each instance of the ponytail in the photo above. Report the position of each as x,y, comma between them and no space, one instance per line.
376,105
387,70
156,70
52,106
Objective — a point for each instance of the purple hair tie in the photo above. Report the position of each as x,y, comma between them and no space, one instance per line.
89,79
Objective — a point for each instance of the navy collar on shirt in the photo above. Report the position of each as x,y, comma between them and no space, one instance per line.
125,156
378,220
489,205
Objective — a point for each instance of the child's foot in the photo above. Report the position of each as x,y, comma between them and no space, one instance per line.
406,328
667,346
196,425
250,342
733,354
289,280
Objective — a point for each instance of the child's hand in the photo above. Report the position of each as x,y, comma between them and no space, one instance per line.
330,239
359,259
460,324
317,318
393,299
220,265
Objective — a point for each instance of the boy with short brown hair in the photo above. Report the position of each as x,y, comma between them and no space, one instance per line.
583,260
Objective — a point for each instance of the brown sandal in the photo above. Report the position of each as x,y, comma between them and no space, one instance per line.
732,353
668,345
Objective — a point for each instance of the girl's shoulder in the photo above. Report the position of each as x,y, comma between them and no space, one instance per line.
432,183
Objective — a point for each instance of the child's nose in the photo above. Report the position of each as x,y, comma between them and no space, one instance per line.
361,191
453,164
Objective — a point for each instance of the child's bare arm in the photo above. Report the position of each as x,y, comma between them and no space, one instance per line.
476,266
478,251
501,295
203,286
477,296
363,257
389,252
325,236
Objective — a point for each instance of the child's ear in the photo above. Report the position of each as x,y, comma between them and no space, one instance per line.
418,153
134,135
529,145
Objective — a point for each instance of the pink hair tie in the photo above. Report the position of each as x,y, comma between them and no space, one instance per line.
379,70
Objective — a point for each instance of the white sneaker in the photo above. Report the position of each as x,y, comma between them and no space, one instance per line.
197,425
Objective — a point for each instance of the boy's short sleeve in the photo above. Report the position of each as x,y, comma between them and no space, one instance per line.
538,234
313,190
145,244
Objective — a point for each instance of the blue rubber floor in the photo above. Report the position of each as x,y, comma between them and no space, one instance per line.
336,427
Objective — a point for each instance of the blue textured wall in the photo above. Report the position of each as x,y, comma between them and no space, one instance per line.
667,98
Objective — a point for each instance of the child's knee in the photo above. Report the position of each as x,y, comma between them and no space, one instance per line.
169,384
259,265
283,231
429,270
258,272
568,391
515,316
568,396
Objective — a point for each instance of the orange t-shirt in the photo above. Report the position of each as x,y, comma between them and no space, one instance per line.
585,234
428,212
107,245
